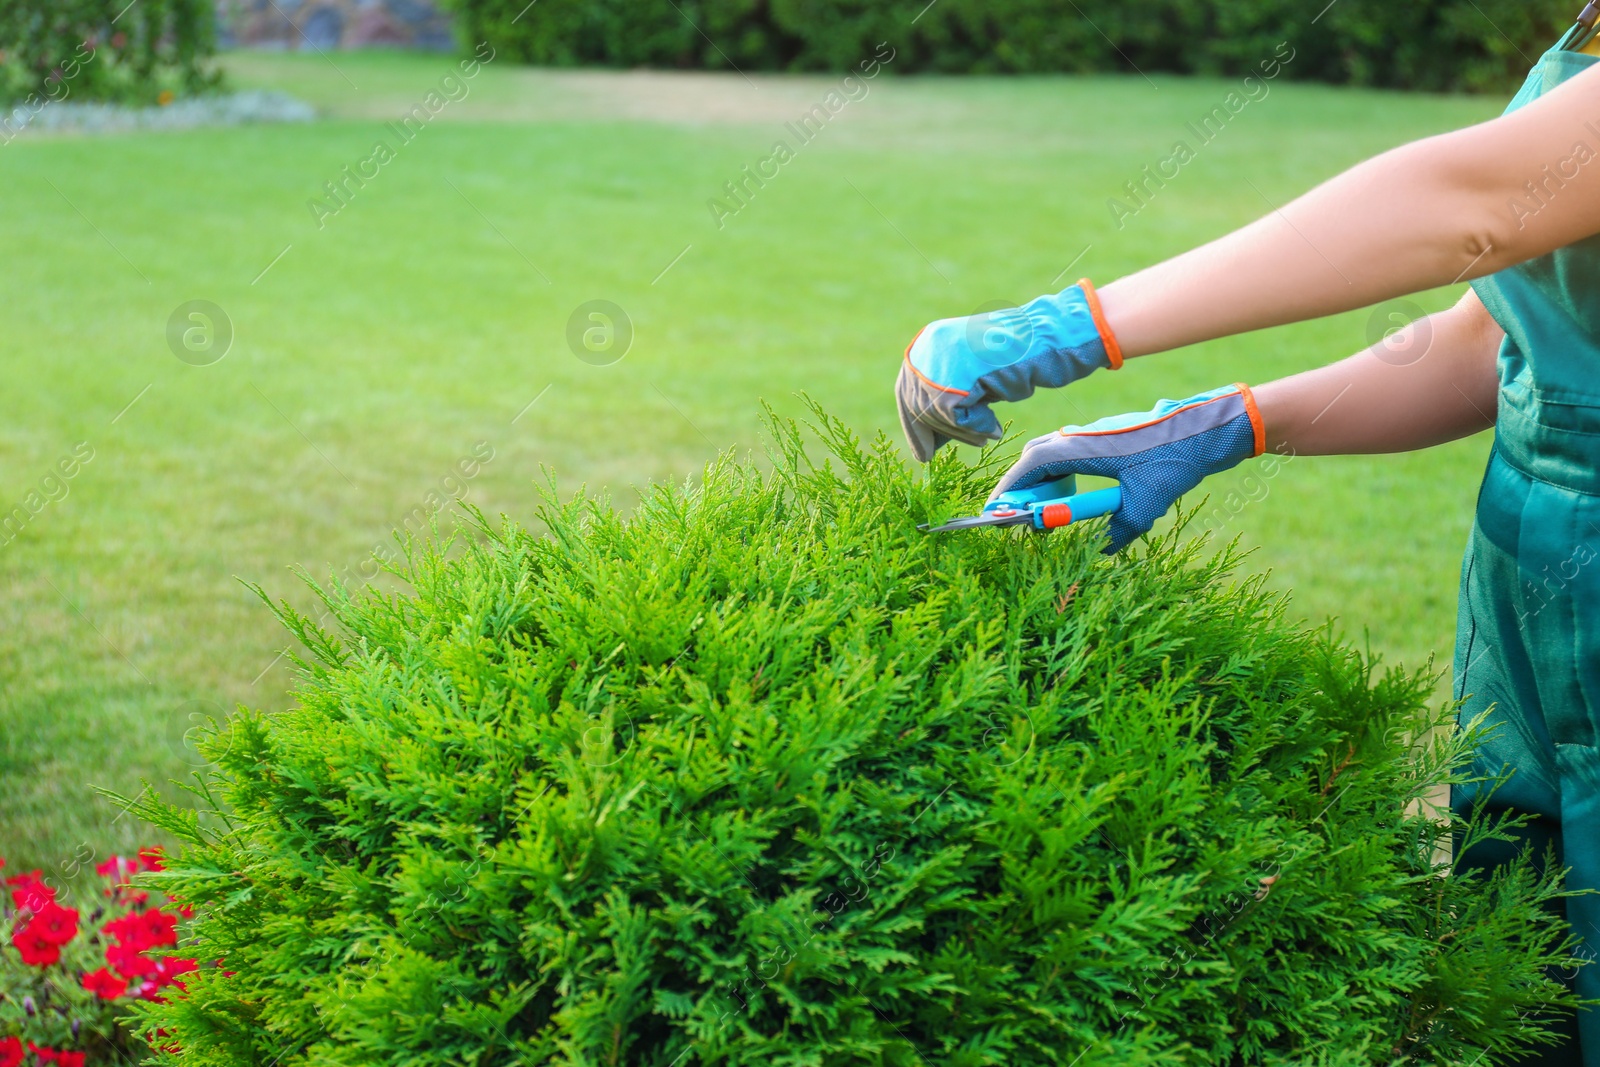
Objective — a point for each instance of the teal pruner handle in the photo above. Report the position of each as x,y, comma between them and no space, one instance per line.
1047,515
1058,503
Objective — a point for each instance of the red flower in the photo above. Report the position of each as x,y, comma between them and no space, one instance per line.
10,1051
37,950
141,930
157,928
168,968
171,966
54,923
50,1055
150,990
30,891
127,930
152,858
117,867
104,984
128,962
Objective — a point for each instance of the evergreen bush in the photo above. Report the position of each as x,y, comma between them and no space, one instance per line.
761,774
1480,45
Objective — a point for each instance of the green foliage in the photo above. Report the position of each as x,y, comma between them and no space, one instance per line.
1454,44
763,775
104,50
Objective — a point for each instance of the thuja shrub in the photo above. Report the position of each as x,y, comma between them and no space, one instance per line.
761,774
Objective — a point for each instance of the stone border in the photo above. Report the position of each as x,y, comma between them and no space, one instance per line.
222,109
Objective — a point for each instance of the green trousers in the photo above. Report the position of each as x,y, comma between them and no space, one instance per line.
1528,637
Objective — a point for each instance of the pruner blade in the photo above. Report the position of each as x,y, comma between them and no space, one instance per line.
1045,506
967,522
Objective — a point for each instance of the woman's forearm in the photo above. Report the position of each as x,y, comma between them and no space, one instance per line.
1385,228
1425,214
1388,398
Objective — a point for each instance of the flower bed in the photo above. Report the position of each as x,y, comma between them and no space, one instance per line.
67,975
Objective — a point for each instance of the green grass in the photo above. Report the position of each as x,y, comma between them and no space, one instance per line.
378,351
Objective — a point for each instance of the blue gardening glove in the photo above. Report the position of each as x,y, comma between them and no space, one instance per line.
955,368
1156,455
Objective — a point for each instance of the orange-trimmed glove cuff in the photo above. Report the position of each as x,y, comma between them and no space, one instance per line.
1257,423
1107,338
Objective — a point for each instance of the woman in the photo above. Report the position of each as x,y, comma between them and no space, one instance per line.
1512,205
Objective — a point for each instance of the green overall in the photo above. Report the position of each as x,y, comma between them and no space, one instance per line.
1528,637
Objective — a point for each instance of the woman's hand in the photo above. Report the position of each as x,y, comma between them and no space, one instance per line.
955,368
1155,455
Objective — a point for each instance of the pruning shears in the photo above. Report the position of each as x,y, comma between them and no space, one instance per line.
1045,506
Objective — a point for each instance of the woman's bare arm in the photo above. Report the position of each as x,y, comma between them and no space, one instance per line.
1387,398
1425,214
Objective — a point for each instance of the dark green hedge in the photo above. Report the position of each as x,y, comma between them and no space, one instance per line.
762,776
53,50
1453,44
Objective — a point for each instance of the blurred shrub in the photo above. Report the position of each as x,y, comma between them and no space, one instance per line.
764,775
1439,45
143,52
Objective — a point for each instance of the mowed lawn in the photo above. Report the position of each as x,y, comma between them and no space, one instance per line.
377,357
